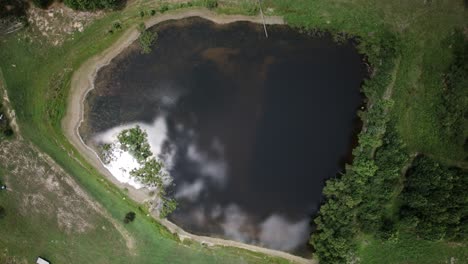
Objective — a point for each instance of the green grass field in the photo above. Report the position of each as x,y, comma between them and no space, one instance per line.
38,85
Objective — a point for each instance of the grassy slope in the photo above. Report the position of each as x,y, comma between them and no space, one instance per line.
38,87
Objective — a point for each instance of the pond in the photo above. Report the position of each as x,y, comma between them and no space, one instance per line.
249,127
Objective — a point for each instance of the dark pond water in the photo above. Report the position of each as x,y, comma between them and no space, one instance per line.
253,125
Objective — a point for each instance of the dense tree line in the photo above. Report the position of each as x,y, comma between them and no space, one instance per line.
435,201
337,223
376,214
151,171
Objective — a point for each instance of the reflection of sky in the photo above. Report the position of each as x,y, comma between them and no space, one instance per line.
249,128
232,219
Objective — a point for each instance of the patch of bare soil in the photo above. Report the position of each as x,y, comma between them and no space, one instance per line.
59,21
42,187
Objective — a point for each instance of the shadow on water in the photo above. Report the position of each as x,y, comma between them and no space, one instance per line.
253,126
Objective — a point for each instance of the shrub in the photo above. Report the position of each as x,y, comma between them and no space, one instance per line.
210,4
92,4
135,141
129,217
146,39
163,8
169,205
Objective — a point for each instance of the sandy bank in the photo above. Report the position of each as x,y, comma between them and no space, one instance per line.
83,81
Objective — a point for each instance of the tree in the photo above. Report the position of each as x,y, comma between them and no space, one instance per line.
134,140
435,200
129,217
146,39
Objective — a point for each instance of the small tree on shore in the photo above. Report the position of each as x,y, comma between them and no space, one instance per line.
146,39
129,217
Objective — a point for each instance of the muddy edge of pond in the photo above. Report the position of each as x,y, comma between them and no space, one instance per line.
83,82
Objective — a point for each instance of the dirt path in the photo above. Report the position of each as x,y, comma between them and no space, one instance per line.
83,81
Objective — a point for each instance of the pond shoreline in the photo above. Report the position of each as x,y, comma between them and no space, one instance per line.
83,82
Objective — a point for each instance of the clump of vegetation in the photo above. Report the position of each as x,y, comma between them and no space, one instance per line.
6,131
42,3
338,221
129,217
91,5
106,153
434,201
168,206
135,141
150,173
146,39
164,8
210,4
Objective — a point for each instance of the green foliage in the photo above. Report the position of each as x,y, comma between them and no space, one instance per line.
106,153
42,3
146,39
435,200
168,206
150,173
375,213
210,4
338,223
164,7
134,140
92,4
129,217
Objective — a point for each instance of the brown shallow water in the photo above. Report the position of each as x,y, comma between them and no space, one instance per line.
253,126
